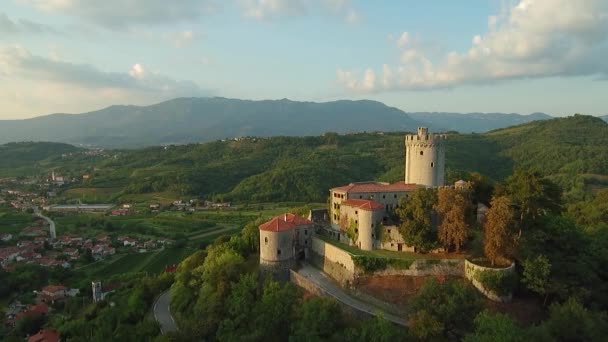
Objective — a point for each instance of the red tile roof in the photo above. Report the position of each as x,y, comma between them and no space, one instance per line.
363,204
284,222
45,335
376,187
54,288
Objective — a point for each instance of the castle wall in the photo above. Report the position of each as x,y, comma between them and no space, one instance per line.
277,246
332,260
427,267
470,272
425,158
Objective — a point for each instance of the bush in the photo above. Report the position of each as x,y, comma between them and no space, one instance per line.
370,264
501,283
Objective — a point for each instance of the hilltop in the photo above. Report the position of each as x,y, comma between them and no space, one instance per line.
193,120
304,168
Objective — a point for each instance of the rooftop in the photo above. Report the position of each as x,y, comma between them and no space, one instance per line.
45,335
376,187
363,204
284,222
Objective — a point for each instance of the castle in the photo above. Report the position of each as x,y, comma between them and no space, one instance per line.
360,214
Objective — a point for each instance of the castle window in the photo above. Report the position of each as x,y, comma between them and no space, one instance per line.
391,245
421,153
266,240
395,195
305,232
356,212
360,196
432,164
383,196
278,252
372,235
372,227
356,221
388,231
306,242
356,230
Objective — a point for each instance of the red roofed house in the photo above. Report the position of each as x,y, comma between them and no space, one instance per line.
51,293
36,309
284,239
358,209
45,335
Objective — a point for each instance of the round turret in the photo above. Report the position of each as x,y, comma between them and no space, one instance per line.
425,158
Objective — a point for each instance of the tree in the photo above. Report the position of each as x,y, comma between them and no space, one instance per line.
533,195
499,240
570,321
317,319
376,329
425,326
416,214
454,304
495,327
453,207
536,275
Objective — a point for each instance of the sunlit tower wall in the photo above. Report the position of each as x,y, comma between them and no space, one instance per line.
425,158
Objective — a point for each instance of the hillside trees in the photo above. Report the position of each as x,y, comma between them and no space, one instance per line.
499,238
454,210
416,214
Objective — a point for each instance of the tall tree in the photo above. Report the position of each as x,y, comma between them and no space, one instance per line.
453,207
533,195
499,240
416,214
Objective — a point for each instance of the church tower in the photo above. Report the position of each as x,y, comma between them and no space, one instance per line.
425,158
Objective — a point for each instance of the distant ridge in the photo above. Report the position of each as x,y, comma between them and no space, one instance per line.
188,120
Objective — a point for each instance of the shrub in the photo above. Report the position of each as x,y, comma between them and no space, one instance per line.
501,283
370,264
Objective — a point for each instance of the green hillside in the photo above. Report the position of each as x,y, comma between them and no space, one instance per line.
28,158
304,168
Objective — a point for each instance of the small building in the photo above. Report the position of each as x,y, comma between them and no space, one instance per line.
97,291
283,240
52,293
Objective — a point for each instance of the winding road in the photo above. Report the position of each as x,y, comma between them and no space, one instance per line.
162,313
47,219
330,288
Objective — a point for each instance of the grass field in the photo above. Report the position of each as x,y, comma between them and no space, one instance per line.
13,221
151,262
92,195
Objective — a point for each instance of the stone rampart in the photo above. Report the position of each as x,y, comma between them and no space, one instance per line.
471,272
427,267
334,261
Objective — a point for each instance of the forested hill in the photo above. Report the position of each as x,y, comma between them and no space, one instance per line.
22,158
303,169
190,120
475,122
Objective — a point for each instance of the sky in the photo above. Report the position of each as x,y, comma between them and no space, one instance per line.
522,56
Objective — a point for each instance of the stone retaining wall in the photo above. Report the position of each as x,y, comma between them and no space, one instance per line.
470,272
427,267
334,261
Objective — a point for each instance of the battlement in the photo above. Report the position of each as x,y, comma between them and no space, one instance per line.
423,135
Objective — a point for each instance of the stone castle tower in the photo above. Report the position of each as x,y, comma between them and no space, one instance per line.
425,158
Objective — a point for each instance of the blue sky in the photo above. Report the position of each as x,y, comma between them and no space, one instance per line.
476,56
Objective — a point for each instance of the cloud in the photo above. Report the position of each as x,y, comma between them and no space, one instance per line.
118,14
22,26
533,39
20,70
273,9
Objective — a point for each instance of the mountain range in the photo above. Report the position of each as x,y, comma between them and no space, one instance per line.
187,120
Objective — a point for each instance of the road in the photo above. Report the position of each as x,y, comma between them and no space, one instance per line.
333,290
162,313
47,219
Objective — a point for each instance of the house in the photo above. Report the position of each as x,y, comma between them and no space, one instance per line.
8,254
45,335
72,253
170,268
6,237
129,242
150,244
52,293
154,206
37,309
119,212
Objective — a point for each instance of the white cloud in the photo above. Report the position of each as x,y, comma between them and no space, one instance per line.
534,38
22,26
273,9
118,14
81,86
404,38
